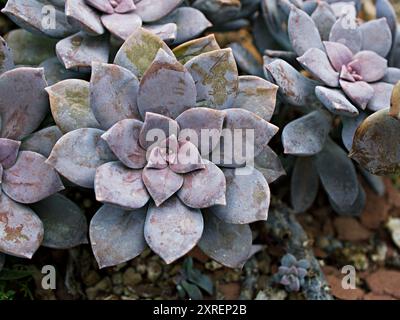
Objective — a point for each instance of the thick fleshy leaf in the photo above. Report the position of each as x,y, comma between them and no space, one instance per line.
376,36
70,105
359,92
6,59
173,229
306,136
346,31
350,126
204,188
268,163
376,183
30,179
247,197
23,101
102,5
381,98
353,210
216,77
187,159
256,95
55,72
42,141
304,184
166,88
64,223
139,51
83,15
392,75
78,51
123,140
161,183
117,235
339,55
121,87
336,102
316,61
166,32
190,49
118,185
157,158
8,152
153,10
299,25
228,244
219,11
246,60
21,231
384,9
337,174
369,65
324,18
77,155
122,25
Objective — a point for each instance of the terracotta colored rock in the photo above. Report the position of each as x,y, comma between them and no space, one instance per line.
375,212
385,282
230,291
393,193
349,229
199,255
344,294
374,296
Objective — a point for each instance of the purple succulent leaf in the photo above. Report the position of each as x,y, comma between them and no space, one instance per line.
121,25
23,101
55,72
70,105
324,18
317,63
306,136
392,76
6,58
204,188
350,125
118,185
173,229
80,14
294,285
369,65
153,10
346,32
216,77
157,158
300,24
139,50
303,264
376,36
384,9
21,229
339,55
120,101
102,5
166,88
247,197
304,184
268,163
339,178
166,32
77,155
123,140
108,6
336,102
187,159
193,121
381,98
64,223
288,260
285,280
359,92
117,235
256,95
228,244
282,270
125,6
353,210
42,141
8,152
30,179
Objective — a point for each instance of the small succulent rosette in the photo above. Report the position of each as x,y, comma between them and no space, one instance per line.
292,272
85,25
134,134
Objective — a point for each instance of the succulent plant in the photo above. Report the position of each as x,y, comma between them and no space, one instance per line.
130,134
292,272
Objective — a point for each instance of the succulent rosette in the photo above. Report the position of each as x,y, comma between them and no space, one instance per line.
131,135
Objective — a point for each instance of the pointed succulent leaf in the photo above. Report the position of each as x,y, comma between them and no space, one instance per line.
381,97
55,72
139,50
190,49
121,87
306,136
216,77
117,235
336,102
376,36
153,10
118,185
42,141
359,92
77,155
228,244
369,65
166,32
324,18
84,16
8,152
166,88
121,25
268,163
157,158
187,159
384,9
173,229
21,231
338,54
6,58
64,223
247,197
350,125
22,110
353,210
346,31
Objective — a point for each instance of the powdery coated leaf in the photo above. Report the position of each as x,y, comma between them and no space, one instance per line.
359,92
247,197
376,36
304,185
369,65
102,5
166,88
123,140
118,185
42,141
70,105
121,87
153,10
6,58
77,155
84,16
269,164
306,136
8,152
324,18
337,174
384,9
245,59
173,229
55,72
346,31
228,244
21,231
166,32
336,102
64,223
187,159
190,49
381,98
350,126
204,188
216,77
256,95
121,25
299,25
339,55
117,235
139,51
392,75
355,209
78,51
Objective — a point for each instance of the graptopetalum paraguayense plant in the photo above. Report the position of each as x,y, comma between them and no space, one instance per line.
152,193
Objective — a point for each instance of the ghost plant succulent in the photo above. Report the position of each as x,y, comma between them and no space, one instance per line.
292,272
146,132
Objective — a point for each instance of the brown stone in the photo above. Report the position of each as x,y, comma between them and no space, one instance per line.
349,229
374,296
230,291
385,282
375,212
199,255
344,294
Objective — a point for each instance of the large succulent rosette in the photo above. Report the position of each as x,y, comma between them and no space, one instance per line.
170,192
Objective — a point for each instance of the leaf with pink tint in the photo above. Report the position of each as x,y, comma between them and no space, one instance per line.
339,55
359,92
8,152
